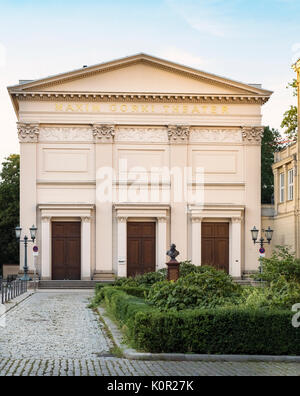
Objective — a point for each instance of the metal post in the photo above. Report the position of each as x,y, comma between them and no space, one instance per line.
26,277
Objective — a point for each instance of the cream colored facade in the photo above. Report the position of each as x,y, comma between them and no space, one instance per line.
151,113
285,219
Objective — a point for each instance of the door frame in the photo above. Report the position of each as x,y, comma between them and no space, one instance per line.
143,221
228,239
67,221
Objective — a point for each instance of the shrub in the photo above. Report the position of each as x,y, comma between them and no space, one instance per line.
218,331
282,263
197,290
280,294
148,279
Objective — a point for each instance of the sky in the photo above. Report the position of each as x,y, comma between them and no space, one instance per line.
250,41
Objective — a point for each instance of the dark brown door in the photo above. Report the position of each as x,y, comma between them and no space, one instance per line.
141,251
66,251
215,245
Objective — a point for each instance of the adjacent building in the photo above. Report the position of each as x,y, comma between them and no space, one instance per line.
120,159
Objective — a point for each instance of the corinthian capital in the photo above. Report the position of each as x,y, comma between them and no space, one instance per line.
104,133
178,134
28,133
253,135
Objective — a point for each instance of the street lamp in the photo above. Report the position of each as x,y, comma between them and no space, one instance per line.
33,231
269,236
268,233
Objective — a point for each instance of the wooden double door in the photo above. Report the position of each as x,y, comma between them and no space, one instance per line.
66,251
215,245
141,248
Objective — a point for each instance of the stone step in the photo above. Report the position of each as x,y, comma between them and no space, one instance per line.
67,285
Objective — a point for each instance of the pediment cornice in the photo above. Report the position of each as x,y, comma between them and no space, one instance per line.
211,79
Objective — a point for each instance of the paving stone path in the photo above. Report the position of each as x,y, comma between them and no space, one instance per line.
55,334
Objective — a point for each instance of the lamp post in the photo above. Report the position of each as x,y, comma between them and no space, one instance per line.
26,240
269,236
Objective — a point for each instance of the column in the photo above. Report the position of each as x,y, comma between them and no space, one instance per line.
28,134
236,248
179,139
86,248
252,164
104,138
162,243
196,241
46,270
122,247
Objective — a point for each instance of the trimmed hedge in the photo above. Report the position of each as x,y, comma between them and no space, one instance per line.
218,331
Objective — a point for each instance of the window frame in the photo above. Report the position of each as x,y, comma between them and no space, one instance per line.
291,181
282,187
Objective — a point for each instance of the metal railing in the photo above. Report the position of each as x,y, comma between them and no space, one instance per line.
11,289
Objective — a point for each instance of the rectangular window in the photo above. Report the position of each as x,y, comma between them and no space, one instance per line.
282,187
291,185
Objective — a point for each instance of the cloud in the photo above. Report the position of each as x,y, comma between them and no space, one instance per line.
208,17
183,57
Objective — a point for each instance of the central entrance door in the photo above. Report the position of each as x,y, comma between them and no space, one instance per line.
66,251
141,248
215,245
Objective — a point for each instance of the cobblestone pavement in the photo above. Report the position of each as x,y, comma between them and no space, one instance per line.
55,334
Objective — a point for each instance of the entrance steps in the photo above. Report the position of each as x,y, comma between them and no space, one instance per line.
68,285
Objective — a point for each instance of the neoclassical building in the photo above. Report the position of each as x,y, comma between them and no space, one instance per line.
120,159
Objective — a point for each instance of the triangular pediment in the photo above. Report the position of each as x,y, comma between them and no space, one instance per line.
139,74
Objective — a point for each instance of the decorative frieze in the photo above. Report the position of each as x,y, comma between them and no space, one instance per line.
216,136
142,135
104,133
28,133
252,135
66,135
178,134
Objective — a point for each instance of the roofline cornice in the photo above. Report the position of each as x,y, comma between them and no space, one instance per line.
139,97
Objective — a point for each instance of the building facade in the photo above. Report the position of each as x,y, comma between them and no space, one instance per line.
284,215
120,159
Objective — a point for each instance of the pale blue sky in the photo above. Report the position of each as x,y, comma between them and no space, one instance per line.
251,41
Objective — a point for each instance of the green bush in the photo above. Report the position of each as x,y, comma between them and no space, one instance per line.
282,263
197,290
218,331
280,294
187,268
148,279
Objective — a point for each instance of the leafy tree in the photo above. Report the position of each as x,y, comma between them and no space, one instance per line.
271,143
9,209
290,120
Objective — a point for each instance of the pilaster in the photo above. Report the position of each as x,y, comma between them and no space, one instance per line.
28,134
161,242
104,139
86,248
179,140
122,247
197,240
236,247
252,137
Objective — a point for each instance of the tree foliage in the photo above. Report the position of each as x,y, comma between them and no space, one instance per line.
290,120
9,209
271,143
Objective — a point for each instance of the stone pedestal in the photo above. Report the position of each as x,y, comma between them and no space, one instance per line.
173,270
